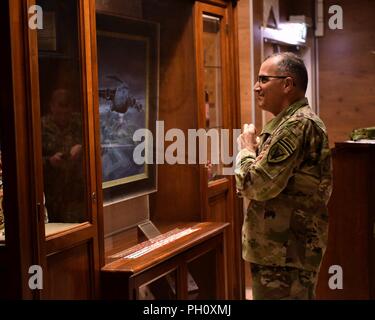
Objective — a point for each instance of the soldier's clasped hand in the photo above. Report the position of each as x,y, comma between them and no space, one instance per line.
248,139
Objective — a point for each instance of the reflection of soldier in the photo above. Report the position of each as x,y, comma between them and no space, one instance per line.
62,151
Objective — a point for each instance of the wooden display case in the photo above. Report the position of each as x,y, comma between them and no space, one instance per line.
170,268
185,191
38,78
74,255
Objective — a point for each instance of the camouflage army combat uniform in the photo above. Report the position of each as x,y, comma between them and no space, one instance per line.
64,187
289,182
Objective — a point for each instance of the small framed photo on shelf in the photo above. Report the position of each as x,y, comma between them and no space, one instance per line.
128,71
58,38
47,37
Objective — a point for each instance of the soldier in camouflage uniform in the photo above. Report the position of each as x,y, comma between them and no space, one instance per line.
62,160
287,175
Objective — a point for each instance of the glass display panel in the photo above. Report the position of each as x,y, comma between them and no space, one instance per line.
162,288
201,281
61,103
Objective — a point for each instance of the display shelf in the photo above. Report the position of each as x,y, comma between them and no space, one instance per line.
124,277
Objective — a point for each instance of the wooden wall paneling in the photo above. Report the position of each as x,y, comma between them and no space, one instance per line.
228,80
347,70
70,273
246,87
258,53
246,51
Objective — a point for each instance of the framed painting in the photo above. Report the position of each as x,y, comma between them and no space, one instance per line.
128,68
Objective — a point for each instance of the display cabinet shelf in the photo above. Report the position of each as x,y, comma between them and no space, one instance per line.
187,267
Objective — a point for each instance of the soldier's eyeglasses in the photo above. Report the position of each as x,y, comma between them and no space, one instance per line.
264,79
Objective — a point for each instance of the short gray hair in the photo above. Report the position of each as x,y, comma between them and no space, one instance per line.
294,65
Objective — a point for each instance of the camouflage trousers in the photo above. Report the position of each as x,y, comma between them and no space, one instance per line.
282,283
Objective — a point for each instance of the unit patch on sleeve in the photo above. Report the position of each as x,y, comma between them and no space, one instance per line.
281,150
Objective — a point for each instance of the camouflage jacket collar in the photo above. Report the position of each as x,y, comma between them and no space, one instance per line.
274,123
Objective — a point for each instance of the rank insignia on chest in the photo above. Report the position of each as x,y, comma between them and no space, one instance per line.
281,150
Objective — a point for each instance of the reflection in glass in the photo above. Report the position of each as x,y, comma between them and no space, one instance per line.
61,110
163,288
201,281
212,85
